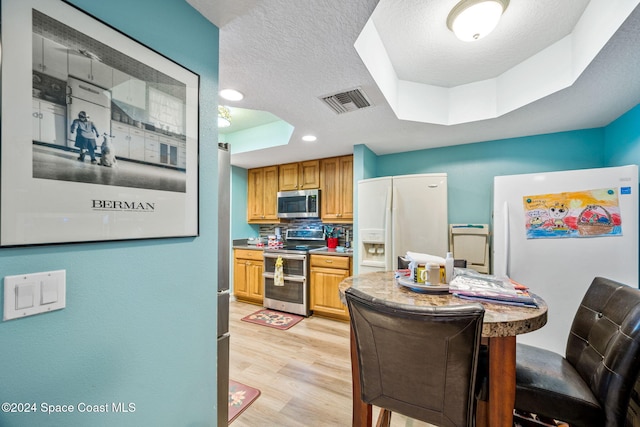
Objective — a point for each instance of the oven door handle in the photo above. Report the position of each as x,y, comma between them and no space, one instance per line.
285,256
289,278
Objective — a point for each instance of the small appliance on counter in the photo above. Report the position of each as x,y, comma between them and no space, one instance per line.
255,241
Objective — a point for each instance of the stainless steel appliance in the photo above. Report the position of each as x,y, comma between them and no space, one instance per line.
93,100
299,204
224,188
293,295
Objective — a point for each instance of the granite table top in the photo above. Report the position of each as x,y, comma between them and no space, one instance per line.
500,320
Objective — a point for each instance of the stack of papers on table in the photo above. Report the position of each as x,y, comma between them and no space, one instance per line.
483,287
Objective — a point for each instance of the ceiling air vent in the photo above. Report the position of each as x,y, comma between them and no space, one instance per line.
349,100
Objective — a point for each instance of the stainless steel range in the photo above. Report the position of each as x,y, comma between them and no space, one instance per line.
293,295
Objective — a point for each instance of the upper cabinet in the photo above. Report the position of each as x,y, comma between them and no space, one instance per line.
261,198
49,57
299,176
90,70
336,184
129,90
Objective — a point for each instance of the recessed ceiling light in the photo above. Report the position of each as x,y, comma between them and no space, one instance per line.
231,95
309,138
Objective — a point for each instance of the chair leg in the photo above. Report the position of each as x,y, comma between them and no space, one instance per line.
384,419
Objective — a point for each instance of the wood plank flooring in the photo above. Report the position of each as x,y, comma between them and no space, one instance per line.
303,373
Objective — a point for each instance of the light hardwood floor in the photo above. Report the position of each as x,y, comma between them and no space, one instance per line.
303,373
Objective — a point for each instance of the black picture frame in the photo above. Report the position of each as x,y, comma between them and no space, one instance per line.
144,108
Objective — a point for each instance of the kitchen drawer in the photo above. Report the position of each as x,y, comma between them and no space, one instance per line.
151,144
151,136
136,132
248,254
151,156
120,127
168,140
330,261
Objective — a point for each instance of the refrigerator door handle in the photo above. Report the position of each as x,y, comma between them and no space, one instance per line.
505,253
390,225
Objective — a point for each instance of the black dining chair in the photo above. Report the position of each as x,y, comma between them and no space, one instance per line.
419,361
592,385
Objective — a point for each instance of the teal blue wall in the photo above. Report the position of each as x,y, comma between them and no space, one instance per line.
140,321
260,137
622,139
471,167
240,229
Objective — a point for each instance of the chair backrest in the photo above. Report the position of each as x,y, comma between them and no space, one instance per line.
419,361
604,345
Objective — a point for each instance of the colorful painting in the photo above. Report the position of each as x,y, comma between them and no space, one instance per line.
589,213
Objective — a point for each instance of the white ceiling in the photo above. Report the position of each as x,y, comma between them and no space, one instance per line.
285,54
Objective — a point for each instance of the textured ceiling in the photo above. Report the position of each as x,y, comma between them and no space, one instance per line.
425,51
284,54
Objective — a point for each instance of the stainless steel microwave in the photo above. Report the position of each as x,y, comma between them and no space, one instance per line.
299,204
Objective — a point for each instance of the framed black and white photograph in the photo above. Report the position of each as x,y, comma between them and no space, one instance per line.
99,132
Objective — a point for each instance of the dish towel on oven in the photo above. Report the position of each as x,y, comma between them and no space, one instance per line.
278,276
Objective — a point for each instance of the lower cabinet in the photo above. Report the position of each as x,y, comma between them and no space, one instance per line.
327,271
248,266
49,123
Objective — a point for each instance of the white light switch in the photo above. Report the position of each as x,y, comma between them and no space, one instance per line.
24,295
49,290
29,294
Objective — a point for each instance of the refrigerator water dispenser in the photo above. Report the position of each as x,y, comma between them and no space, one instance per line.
373,248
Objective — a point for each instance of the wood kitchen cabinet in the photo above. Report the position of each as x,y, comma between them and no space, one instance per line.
336,183
327,271
261,195
299,176
248,266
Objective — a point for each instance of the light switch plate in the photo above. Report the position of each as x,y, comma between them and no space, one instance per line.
48,290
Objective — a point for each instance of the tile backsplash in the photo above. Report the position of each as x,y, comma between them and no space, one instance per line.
267,229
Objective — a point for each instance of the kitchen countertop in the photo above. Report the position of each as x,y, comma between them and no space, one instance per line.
500,320
320,251
332,251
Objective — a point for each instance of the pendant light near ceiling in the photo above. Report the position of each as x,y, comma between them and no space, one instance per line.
224,117
471,20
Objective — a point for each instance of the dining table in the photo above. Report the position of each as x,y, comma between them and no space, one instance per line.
500,326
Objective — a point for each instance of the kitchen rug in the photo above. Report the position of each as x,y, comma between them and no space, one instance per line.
273,319
240,397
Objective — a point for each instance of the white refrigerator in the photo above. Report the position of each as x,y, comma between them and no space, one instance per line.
398,214
94,101
555,231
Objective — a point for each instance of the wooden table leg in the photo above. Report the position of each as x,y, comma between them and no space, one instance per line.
502,381
361,411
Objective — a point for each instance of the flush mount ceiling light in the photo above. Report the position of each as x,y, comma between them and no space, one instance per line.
231,95
471,20
309,138
224,117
